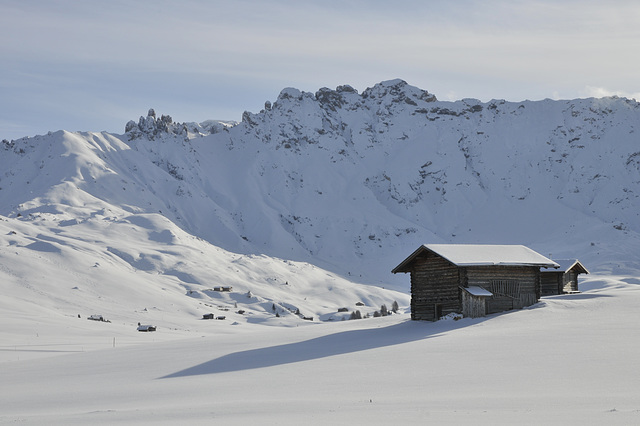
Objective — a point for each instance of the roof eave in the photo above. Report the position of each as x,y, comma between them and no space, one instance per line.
401,267
580,266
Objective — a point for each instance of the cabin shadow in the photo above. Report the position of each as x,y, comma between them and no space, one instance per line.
326,346
345,342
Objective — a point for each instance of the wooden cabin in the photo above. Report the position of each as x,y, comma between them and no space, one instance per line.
563,279
472,279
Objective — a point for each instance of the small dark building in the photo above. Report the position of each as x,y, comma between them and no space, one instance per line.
472,279
96,317
563,279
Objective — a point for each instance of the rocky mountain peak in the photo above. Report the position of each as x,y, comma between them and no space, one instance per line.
152,127
397,91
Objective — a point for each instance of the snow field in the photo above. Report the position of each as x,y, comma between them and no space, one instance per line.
569,359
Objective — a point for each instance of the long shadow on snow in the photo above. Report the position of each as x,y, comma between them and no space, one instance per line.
325,346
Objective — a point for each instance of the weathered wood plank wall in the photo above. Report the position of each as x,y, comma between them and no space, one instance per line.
551,283
434,288
473,306
513,287
570,282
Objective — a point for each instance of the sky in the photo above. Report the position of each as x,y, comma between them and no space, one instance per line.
94,65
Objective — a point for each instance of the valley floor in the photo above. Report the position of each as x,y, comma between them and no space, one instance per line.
570,359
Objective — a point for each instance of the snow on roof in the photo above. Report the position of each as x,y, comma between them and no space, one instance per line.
481,255
566,265
474,290
487,254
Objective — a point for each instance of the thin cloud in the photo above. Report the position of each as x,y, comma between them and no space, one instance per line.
601,92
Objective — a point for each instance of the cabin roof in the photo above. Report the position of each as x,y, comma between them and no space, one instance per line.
566,265
480,255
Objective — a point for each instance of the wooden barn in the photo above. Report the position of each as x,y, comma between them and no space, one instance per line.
472,279
563,279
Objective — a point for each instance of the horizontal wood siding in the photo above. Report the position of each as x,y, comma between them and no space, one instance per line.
513,287
499,304
434,288
550,283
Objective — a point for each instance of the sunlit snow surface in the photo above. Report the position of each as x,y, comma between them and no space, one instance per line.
569,359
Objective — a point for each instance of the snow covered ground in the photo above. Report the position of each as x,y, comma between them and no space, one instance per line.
570,359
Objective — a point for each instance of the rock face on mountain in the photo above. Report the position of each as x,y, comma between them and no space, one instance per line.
354,182
150,127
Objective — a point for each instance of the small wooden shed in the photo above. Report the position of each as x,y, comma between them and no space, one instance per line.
474,303
475,279
563,279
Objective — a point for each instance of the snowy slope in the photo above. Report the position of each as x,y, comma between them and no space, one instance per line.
555,175
85,235
354,182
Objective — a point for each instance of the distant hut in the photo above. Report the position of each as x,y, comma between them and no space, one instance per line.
96,317
475,279
563,279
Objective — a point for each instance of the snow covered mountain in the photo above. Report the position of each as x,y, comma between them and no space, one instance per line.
315,195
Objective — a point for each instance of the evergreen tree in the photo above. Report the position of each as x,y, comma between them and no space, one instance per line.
383,310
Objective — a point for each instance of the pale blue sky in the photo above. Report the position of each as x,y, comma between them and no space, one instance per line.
93,65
